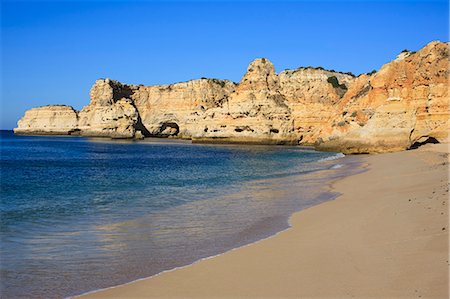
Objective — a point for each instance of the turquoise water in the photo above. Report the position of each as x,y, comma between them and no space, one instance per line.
80,214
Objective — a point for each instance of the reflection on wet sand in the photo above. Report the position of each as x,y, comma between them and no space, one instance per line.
167,239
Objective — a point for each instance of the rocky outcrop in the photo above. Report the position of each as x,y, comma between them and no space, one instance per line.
256,111
405,103
177,110
312,99
110,113
48,120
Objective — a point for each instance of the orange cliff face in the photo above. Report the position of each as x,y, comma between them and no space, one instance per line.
405,102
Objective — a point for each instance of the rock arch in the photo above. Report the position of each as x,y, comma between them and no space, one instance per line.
169,128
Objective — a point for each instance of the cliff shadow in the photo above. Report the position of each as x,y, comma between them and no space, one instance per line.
418,144
169,128
166,129
139,126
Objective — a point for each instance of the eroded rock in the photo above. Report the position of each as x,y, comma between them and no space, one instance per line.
402,104
405,101
48,120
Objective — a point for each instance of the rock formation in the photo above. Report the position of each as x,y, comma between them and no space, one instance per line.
48,120
110,113
403,104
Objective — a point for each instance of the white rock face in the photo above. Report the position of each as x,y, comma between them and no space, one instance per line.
110,113
116,121
255,112
52,120
177,109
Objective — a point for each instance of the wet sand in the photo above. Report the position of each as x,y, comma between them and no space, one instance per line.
385,236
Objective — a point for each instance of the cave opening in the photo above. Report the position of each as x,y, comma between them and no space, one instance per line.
169,129
276,131
418,144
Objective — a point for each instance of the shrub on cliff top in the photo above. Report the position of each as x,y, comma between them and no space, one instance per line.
219,82
406,50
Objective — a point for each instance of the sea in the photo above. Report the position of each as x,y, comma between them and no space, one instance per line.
81,214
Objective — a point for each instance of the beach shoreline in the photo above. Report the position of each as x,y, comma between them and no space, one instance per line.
322,186
394,244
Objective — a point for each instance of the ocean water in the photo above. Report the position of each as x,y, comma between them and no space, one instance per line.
80,214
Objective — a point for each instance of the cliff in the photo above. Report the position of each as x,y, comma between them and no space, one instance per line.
48,120
404,104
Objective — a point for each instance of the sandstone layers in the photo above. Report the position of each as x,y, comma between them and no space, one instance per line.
404,104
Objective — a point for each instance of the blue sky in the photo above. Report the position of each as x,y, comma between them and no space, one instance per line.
52,52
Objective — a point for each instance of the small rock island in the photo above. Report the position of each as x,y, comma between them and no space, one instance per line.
404,104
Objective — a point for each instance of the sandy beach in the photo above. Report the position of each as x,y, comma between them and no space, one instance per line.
386,236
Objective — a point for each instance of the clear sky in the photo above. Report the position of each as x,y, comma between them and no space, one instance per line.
52,52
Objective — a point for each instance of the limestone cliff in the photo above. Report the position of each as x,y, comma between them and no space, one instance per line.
48,120
406,102
110,113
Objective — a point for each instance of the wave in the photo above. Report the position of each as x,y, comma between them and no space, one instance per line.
337,166
334,157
